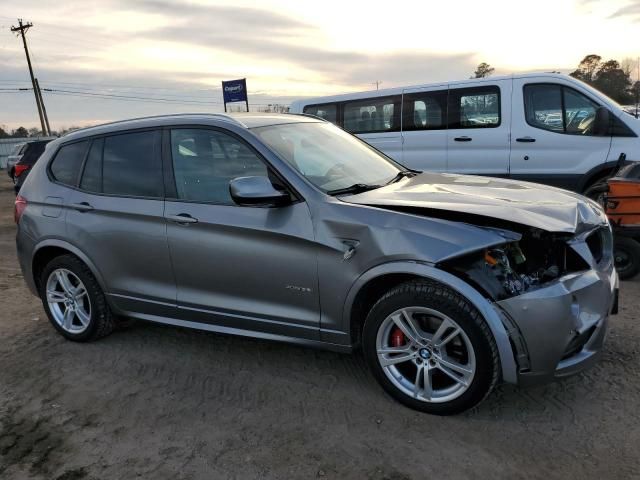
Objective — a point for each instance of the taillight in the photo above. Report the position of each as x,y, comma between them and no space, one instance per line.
19,169
18,208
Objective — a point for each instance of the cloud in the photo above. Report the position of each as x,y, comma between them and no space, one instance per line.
267,36
631,10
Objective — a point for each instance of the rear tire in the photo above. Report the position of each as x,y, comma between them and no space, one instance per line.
461,368
626,253
74,301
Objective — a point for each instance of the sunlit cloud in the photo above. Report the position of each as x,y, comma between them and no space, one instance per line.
287,49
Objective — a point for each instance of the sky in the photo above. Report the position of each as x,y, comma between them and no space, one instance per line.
114,59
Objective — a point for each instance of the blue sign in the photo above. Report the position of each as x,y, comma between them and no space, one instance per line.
234,90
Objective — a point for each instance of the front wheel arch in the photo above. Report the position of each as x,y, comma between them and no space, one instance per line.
491,315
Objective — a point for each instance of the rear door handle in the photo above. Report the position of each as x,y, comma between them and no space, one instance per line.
525,140
463,139
81,207
181,218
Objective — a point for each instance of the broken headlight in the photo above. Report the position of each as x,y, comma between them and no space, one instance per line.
505,264
513,268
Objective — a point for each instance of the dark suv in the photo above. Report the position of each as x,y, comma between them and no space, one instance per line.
31,152
285,227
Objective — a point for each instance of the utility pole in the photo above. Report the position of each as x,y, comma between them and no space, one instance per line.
44,110
377,83
22,28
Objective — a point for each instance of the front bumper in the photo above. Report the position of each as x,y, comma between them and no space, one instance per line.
559,330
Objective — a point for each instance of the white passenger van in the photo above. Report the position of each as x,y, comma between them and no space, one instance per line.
544,127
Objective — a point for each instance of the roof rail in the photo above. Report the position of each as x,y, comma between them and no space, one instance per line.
150,117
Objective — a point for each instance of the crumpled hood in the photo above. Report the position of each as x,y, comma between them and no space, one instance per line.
531,204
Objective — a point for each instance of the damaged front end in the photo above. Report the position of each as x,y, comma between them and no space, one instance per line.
553,292
513,268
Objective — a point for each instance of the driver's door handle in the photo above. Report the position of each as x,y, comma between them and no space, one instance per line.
181,218
463,139
525,140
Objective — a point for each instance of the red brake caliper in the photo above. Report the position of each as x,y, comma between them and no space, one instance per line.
397,337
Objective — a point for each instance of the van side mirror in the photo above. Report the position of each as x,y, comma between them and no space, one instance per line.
602,122
257,192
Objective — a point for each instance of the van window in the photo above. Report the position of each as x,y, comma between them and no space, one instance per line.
328,111
559,109
425,111
543,107
378,114
132,165
477,107
66,166
205,161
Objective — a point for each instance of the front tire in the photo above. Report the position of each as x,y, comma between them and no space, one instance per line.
74,301
430,348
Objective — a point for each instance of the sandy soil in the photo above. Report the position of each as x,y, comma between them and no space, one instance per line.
158,402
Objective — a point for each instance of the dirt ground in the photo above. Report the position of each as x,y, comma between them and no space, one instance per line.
159,402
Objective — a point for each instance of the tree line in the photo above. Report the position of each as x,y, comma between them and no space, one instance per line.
22,132
611,77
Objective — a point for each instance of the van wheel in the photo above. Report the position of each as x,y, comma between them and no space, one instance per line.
597,191
74,301
430,348
626,254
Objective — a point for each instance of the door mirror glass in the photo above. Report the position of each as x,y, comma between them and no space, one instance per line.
257,191
602,122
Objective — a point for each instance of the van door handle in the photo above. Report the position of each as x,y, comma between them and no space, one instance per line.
463,139
525,140
81,207
181,218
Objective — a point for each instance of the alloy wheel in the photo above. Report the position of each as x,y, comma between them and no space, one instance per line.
425,354
68,301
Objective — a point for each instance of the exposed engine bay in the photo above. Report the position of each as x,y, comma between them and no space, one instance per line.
514,268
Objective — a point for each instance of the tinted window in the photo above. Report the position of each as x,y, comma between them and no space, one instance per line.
205,161
92,175
474,107
376,114
559,109
543,107
132,165
424,111
328,111
66,166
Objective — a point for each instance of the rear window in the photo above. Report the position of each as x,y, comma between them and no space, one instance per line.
65,167
31,152
328,111
378,114
132,165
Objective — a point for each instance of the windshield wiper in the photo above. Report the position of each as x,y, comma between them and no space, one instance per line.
401,174
355,188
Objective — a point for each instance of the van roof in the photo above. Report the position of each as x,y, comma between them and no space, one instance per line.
398,90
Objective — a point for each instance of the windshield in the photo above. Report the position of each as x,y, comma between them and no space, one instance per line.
327,156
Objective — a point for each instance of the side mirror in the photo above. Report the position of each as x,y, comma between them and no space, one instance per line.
257,191
602,122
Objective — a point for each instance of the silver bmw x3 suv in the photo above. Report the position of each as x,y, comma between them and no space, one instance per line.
284,227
